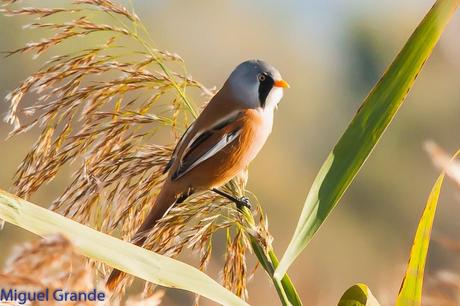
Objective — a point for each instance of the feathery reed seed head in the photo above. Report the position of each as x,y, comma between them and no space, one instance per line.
100,107
52,263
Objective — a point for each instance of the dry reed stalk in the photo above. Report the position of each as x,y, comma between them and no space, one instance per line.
443,161
99,108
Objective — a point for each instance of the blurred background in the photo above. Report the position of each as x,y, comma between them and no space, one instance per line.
331,52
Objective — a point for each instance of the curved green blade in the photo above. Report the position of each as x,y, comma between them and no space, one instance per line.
119,254
366,128
358,295
410,293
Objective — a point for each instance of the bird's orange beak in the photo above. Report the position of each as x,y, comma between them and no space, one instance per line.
281,83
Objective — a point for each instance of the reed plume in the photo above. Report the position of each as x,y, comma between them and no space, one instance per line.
100,108
53,263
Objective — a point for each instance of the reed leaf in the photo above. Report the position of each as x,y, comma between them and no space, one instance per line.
410,293
366,128
121,255
358,295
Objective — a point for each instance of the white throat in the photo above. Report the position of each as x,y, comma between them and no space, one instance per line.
271,103
273,98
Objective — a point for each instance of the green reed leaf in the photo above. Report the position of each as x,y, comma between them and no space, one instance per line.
410,293
119,254
366,128
358,295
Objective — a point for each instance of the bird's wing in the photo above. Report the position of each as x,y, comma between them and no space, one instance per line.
177,148
209,142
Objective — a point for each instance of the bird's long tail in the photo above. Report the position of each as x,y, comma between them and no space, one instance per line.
165,200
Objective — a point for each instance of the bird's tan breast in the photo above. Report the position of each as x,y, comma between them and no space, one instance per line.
238,155
255,134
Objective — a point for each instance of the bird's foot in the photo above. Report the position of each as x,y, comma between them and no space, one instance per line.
243,202
240,202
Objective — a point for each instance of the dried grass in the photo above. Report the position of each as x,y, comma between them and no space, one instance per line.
54,264
99,108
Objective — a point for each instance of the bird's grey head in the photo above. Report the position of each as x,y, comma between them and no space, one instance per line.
256,84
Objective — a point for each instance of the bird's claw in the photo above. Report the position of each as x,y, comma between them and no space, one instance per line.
244,202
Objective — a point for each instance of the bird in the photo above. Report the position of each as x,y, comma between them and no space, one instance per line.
222,141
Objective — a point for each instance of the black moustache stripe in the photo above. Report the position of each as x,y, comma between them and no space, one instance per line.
264,89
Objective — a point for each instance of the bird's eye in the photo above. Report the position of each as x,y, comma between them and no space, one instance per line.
262,77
